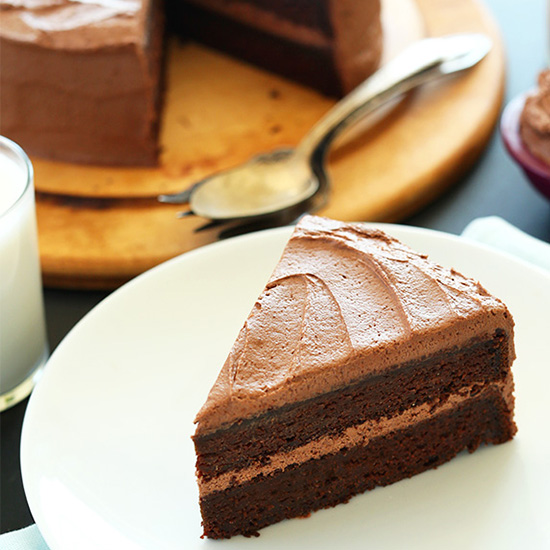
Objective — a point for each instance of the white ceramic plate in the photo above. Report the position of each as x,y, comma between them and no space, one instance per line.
107,458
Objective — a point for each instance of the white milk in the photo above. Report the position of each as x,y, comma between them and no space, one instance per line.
23,345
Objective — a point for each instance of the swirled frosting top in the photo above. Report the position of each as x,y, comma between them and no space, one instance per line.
73,24
343,302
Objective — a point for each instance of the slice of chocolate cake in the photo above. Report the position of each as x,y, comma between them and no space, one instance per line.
361,363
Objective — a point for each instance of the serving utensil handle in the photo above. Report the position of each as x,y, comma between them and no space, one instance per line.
421,62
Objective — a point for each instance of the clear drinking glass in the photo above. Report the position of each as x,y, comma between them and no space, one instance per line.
23,342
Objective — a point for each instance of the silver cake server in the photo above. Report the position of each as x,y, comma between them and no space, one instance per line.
294,180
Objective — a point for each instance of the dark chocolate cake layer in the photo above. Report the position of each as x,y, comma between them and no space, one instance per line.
431,380
335,478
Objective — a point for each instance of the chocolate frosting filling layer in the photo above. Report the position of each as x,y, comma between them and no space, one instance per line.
344,302
360,434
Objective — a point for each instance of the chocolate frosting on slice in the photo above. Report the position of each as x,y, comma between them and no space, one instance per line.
345,301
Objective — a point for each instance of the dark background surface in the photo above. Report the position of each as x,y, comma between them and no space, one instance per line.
495,186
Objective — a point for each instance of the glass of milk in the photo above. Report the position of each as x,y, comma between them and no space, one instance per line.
23,343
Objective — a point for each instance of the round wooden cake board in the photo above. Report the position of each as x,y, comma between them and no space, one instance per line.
99,227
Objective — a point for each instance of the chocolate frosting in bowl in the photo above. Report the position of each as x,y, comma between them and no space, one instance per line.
345,301
534,124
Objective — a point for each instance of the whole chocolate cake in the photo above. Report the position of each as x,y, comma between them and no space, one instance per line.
361,363
82,81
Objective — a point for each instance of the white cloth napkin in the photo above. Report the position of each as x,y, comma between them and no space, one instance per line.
28,538
492,231
500,234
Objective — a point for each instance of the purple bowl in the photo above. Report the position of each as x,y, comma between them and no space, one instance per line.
536,171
